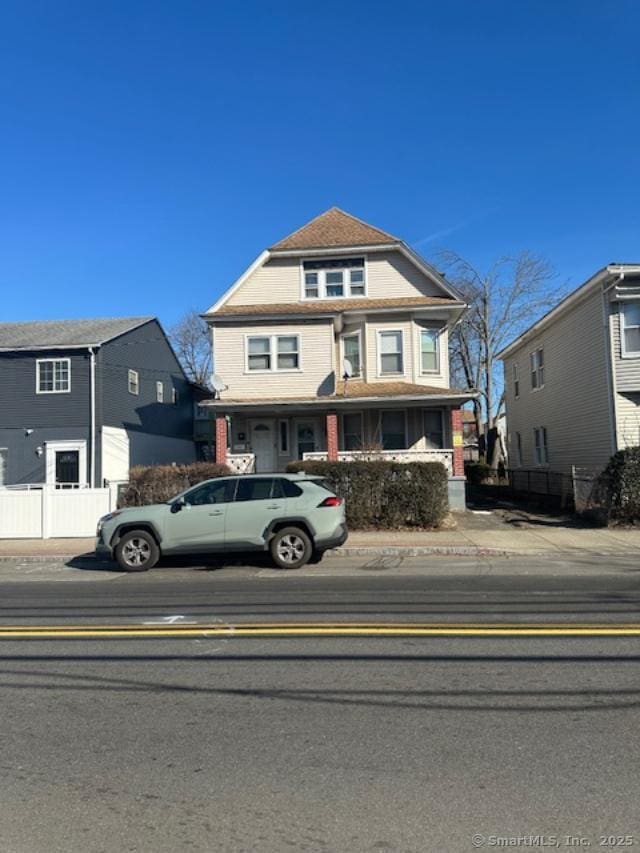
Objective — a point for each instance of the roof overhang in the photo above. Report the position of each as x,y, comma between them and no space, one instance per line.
336,402
608,276
44,348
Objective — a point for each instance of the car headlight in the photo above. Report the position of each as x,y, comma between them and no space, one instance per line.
102,521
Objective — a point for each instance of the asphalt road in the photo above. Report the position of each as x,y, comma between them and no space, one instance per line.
320,743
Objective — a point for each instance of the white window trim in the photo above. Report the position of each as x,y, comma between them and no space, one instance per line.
130,375
358,334
53,447
545,447
40,361
273,354
342,432
516,381
159,392
282,452
436,371
322,289
406,432
623,325
537,371
379,333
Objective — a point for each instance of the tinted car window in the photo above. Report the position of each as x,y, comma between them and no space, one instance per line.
289,489
215,492
254,489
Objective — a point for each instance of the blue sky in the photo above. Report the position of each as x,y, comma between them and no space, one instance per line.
150,150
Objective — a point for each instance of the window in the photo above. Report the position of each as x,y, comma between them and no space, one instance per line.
393,430
289,489
201,413
273,352
351,350
630,328
283,446
334,279
134,382
160,392
53,375
516,381
433,428
390,349
429,351
352,431
254,489
540,444
214,492
288,356
175,397
537,368
4,461
518,450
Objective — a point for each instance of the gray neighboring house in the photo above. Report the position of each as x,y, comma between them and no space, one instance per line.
572,380
81,401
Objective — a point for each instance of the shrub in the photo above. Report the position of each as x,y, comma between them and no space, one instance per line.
152,484
477,472
618,487
386,494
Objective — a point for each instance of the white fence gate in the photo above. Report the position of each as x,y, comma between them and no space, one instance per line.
44,512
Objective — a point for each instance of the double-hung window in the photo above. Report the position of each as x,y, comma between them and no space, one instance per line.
334,279
516,381
273,352
134,382
540,445
352,352
537,368
53,375
429,361
630,329
390,352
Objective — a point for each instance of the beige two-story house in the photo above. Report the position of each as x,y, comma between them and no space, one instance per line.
572,380
333,345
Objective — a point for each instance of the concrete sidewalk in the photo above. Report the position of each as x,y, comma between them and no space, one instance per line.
496,540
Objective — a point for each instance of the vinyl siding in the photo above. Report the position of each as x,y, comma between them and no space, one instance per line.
574,404
389,275
628,419
627,370
316,374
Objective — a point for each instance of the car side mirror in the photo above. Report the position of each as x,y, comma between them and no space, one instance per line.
178,505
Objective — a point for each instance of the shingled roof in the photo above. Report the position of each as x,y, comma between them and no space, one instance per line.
43,334
335,306
334,228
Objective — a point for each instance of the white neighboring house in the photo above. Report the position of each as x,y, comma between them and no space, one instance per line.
572,380
337,289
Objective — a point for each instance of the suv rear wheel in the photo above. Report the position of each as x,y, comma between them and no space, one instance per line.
137,551
291,548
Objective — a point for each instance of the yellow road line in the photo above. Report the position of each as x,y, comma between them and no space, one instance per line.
318,629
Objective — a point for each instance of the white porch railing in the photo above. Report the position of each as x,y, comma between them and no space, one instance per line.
443,456
242,463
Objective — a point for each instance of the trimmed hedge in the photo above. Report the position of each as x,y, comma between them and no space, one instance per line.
381,494
618,487
477,472
155,484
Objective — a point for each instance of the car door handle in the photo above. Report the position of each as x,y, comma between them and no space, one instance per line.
216,512
274,506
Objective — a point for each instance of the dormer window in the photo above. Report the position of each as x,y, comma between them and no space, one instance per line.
334,279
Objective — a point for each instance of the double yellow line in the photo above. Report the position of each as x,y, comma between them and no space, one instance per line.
315,629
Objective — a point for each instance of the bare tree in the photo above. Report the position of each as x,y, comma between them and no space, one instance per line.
502,301
191,341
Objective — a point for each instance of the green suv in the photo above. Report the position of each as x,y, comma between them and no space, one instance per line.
293,516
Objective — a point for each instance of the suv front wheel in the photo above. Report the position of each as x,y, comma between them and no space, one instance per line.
137,551
290,548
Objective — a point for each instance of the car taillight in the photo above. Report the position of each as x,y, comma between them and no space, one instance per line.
332,501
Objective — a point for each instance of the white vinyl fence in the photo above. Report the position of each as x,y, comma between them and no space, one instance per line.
45,512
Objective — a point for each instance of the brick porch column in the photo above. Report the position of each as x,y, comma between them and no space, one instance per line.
332,437
221,439
458,443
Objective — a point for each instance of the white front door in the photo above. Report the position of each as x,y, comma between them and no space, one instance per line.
263,445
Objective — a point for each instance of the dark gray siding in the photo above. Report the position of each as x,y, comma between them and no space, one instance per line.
50,416
146,350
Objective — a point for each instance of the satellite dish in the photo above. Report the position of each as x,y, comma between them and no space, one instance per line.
347,368
218,385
